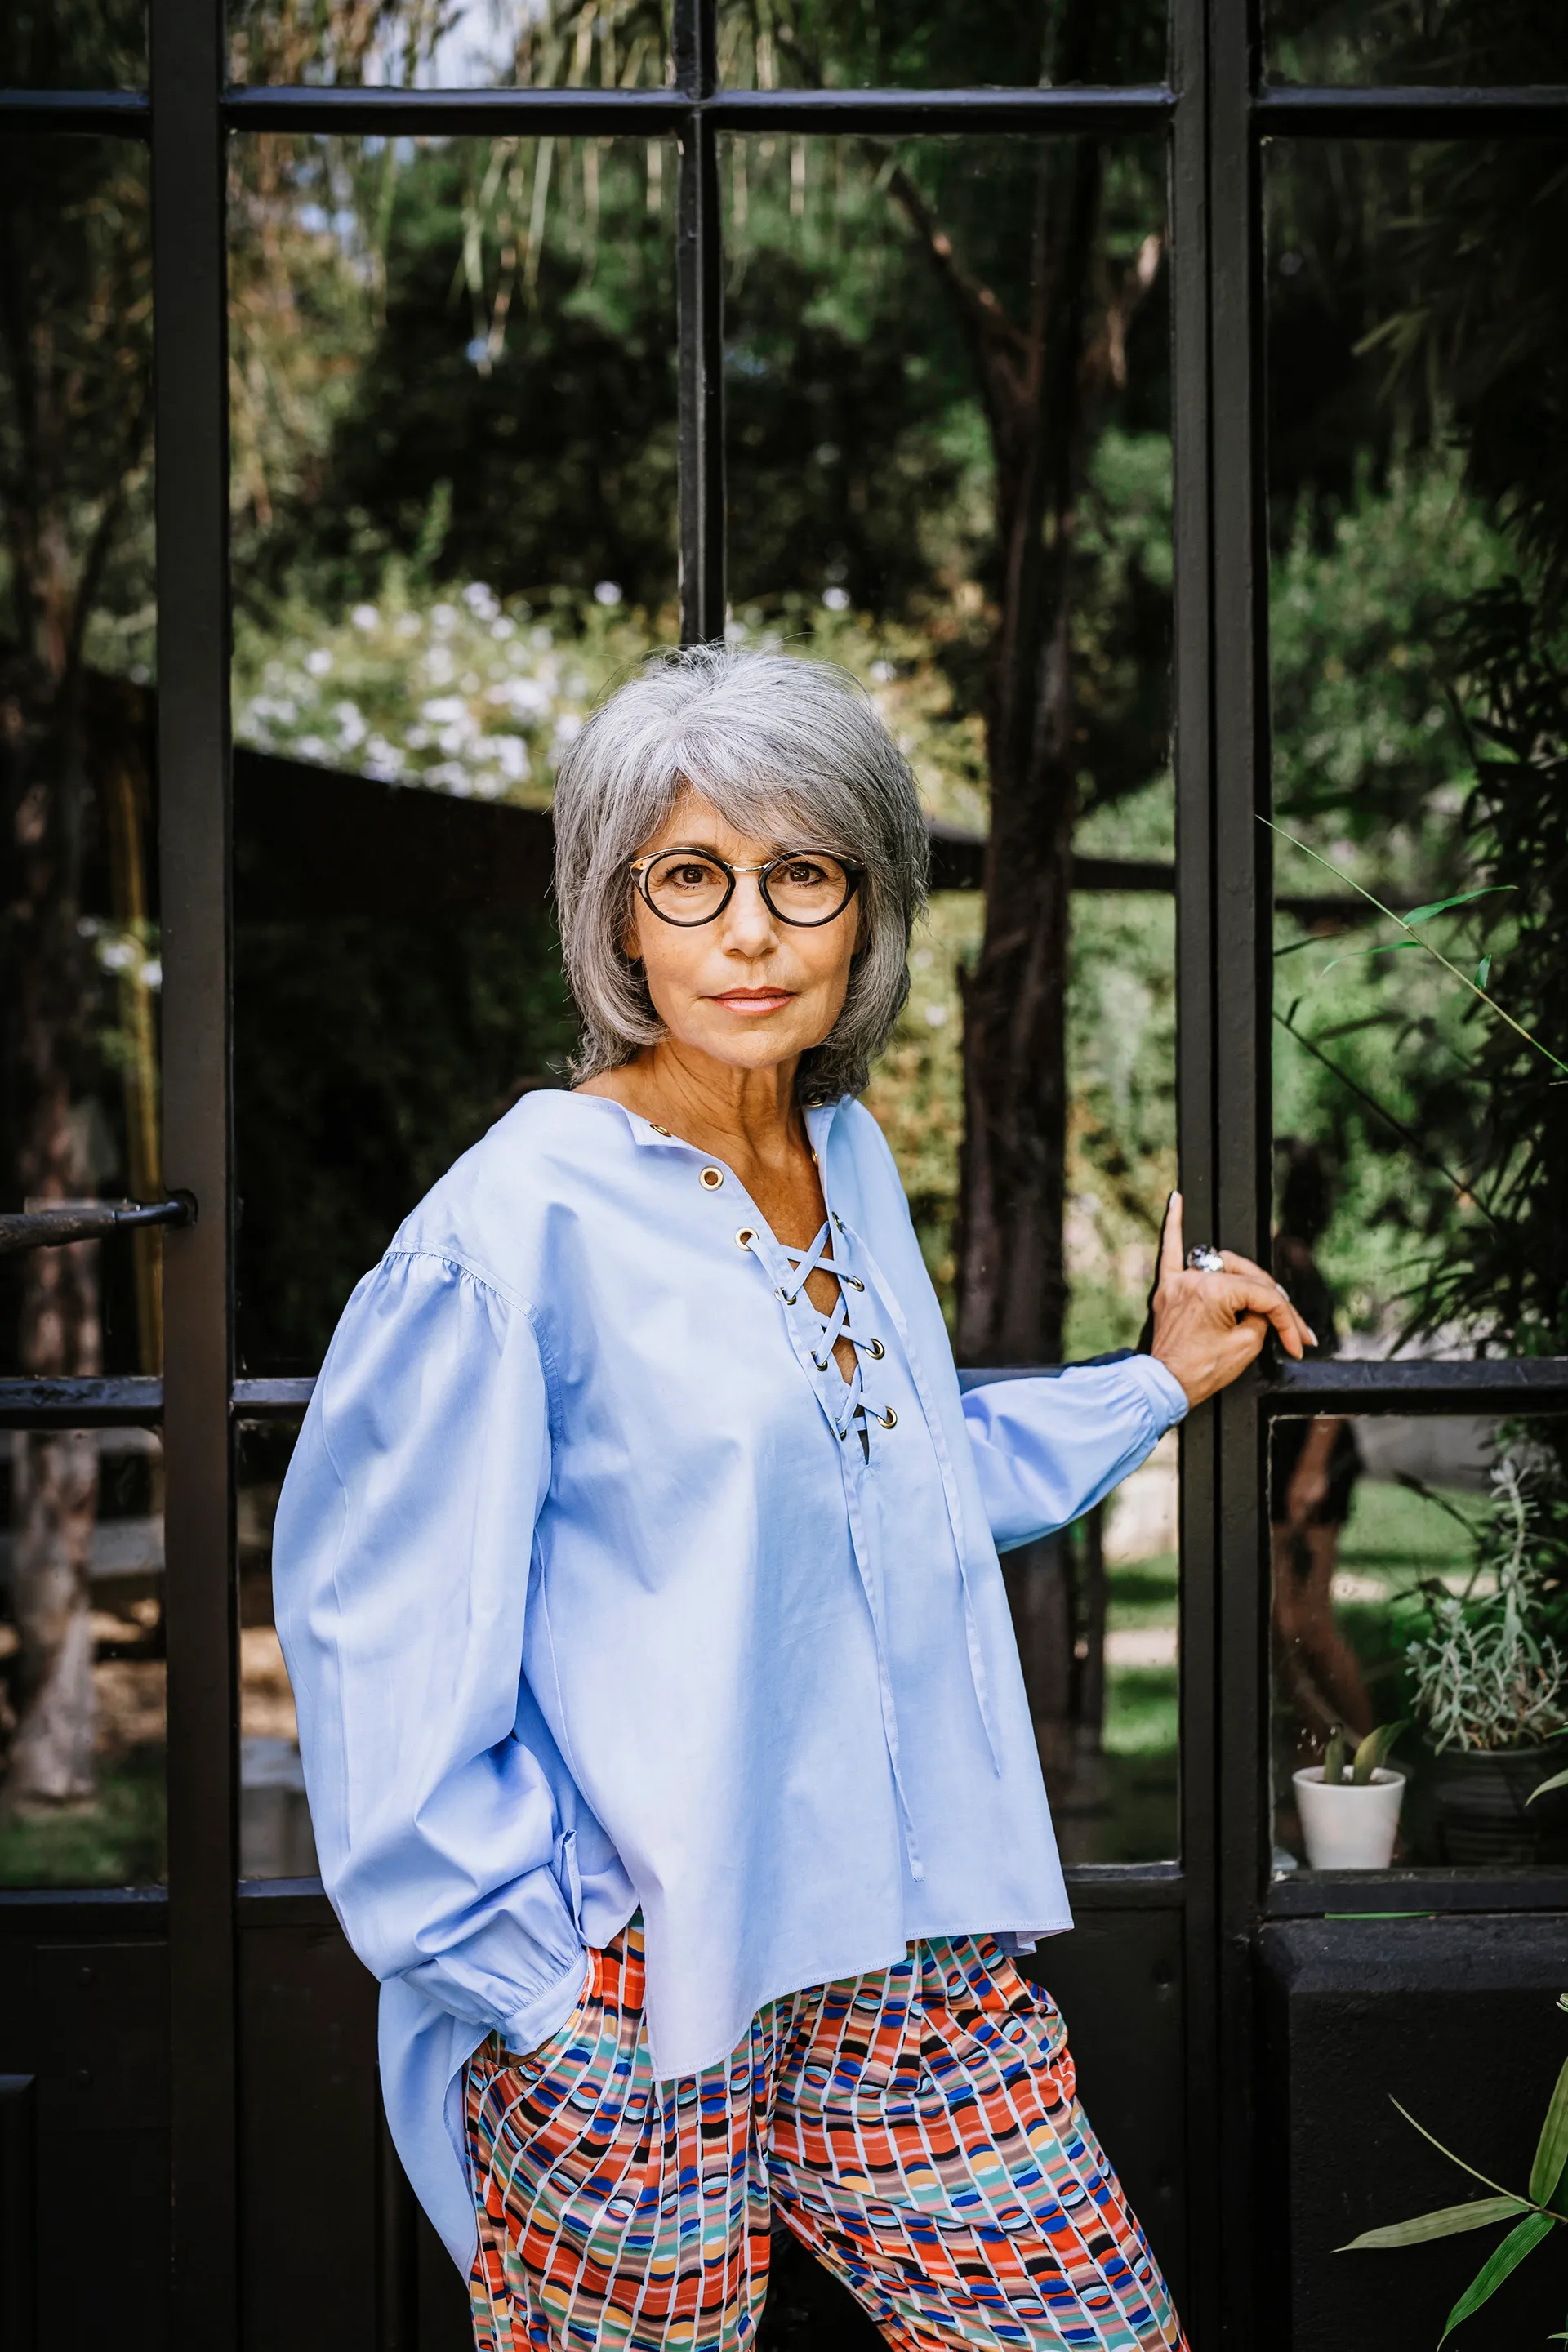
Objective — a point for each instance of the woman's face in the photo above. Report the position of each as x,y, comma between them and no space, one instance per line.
746,989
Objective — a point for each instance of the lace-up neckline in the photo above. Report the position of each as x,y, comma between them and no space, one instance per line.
853,1410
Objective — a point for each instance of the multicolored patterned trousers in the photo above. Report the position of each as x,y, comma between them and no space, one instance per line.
916,2128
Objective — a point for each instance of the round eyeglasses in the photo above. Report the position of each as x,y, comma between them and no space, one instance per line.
805,887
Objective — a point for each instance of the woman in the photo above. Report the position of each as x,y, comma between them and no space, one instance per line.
669,1756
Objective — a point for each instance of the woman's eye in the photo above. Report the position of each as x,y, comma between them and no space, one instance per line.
803,874
692,878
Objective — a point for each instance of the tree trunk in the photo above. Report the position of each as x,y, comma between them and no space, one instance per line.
54,1476
1012,1290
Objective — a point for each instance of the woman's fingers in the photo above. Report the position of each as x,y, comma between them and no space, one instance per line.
1171,1254
1235,1263
1263,1297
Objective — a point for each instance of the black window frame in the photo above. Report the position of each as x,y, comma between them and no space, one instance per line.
1218,112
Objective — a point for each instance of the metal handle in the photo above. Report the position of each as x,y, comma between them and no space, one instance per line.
85,1221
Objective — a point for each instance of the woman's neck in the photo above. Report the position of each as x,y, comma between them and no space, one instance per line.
749,1119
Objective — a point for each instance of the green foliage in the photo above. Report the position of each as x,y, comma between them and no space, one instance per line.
1343,1766
1538,2223
1488,1673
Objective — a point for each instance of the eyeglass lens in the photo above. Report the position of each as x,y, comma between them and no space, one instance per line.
685,886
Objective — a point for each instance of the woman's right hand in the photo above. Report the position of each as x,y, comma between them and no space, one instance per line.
1209,1327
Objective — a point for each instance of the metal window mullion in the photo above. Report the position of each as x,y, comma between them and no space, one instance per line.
192,495
699,284
1241,1103
1192,458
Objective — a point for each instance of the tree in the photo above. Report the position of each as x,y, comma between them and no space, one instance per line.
75,352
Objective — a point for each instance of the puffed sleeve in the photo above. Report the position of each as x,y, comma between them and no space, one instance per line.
401,1560
1048,1448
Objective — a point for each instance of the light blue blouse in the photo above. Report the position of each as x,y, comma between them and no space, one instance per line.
600,1588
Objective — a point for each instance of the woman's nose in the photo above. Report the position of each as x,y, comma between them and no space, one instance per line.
748,921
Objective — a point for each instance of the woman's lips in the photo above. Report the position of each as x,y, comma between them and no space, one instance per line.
755,1000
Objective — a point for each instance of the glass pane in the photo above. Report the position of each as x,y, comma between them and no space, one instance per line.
81,1658
931,45
79,943
275,1837
454,489
451,44
1421,1578
1509,44
1418,312
869,518
73,44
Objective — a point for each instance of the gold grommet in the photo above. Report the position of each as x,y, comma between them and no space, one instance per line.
849,1278
877,1351
712,1178
890,1419
746,1237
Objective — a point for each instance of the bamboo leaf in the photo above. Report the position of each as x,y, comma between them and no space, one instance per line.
1393,947
1491,2275
1483,971
1558,1780
1441,905
1485,2179
1552,2149
1446,2222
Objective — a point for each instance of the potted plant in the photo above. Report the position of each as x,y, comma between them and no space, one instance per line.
1491,1688
1348,1804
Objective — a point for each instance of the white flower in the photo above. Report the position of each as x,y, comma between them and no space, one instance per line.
607,591
439,666
312,747
481,602
452,778
318,661
540,638
352,727
525,697
937,1016
364,617
409,624
882,672
502,629
836,599
442,617
511,755
383,759
153,973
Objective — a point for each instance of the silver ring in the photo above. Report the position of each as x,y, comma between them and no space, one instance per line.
1204,1258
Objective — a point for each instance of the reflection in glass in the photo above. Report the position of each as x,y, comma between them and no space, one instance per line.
454,483
451,44
1418,334
73,44
876,469
931,45
275,1834
1420,1577
81,1658
79,944
1506,43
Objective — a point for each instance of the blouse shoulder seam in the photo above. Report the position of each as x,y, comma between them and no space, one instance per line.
484,1280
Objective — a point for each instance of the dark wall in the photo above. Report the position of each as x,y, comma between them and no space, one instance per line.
1458,2020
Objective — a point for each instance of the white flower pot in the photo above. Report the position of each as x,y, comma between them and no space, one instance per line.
1347,1828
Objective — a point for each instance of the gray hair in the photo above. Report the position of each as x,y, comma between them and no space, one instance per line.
779,747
